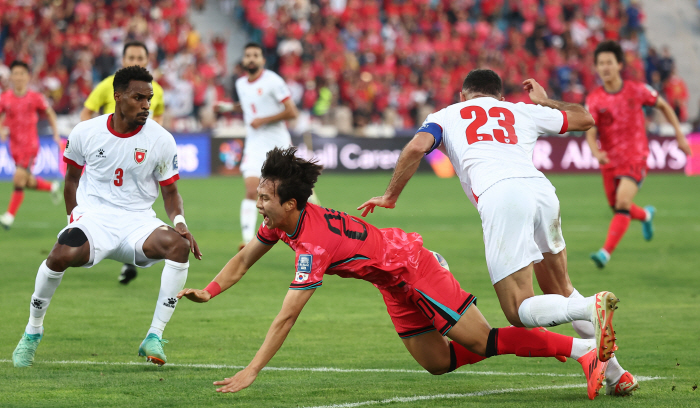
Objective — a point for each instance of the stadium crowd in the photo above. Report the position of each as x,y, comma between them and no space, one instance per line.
387,61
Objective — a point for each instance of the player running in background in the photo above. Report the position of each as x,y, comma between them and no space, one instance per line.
425,302
19,111
102,99
266,103
127,156
490,142
617,109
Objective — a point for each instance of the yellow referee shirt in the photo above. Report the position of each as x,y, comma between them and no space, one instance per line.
102,97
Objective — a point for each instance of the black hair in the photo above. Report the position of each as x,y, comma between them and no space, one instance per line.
296,176
134,44
483,81
18,63
609,46
253,44
128,74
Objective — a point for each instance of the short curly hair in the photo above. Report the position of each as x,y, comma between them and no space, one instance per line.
133,73
296,176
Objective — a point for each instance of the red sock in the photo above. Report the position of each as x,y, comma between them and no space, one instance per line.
618,227
42,185
638,213
15,201
536,342
460,356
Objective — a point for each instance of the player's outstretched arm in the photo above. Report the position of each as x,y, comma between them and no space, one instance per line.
591,139
51,116
670,115
174,208
71,187
579,118
291,308
230,274
406,167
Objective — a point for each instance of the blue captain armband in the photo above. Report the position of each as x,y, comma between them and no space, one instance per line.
435,130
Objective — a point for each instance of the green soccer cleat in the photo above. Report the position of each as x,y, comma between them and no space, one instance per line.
601,258
648,226
23,356
152,348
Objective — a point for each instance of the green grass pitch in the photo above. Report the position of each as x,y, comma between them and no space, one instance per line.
345,325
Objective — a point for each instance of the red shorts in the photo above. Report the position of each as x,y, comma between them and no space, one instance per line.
635,170
24,157
434,301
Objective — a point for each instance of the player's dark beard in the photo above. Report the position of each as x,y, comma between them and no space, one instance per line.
252,69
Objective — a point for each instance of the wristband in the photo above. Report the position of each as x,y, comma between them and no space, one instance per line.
179,219
213,288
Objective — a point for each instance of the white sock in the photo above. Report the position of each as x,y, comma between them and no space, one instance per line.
585,329
46,283
551,310
249,219
171,282
580,347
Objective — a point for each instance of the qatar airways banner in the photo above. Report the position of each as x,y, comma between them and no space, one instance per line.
193,151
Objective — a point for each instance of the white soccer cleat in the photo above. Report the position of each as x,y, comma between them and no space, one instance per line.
6,220
56,193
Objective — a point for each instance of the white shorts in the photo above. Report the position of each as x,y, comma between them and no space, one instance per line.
521,221
117,235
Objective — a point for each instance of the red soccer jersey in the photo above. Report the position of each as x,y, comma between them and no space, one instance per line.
21,117
620,121
332,242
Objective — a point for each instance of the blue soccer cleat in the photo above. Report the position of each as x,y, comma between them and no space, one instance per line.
23,356
648,226
600,258
152,348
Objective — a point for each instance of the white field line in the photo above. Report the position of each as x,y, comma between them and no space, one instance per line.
467,395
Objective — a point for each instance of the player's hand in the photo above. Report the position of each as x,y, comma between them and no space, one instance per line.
256,123
57,139
3,134
602,157
195,295
241,380
194,248
535,91
684,146
369,205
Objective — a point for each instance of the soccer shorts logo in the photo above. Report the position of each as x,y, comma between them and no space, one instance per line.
139,155
304,263
301,277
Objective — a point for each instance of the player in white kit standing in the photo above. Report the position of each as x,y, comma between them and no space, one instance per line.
126,156
490,143
266,103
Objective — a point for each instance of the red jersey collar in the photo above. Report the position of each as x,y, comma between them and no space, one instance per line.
297,230
616,92
117,134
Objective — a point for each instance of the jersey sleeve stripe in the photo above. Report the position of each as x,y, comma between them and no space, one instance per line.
264,240
565,124
72,163
169,181
285,99
305,286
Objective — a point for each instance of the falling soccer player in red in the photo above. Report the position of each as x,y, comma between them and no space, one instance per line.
617,109
19,108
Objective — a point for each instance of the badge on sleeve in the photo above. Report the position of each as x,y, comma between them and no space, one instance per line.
304,263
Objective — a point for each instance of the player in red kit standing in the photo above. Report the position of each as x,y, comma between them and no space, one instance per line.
425,302
616,108
19,108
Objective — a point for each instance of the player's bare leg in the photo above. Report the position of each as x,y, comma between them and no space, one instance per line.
165,243
249,212
71,250
23,179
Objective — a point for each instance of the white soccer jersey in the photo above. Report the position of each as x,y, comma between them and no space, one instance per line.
122,171
488,140
261,98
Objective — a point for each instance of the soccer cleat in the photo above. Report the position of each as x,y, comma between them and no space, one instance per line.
128,274
6,220
23,356
605,305
152,348
626,386
56,193
594,370
600,258
648,226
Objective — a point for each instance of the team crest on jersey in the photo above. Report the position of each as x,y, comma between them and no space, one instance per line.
304,263
259,91
301,277
140,155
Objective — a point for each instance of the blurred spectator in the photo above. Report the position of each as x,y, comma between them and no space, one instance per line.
676,93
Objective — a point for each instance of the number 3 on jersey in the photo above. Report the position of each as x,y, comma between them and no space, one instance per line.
505,120
118,177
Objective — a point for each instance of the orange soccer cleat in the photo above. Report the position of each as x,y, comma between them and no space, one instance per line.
594,370
626,386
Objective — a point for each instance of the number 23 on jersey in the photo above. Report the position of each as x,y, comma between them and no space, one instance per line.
505,119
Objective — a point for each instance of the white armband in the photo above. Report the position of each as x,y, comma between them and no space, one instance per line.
179,219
